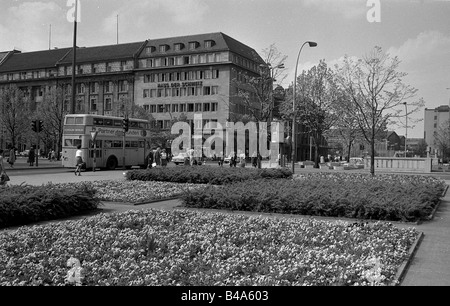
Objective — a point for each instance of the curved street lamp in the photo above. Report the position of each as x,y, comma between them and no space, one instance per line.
294,149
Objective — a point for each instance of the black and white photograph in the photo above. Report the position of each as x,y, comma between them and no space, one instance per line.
224,152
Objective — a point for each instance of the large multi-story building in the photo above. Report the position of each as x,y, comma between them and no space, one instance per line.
433,120
194,74
168,77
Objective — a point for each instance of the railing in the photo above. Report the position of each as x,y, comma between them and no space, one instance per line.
402,164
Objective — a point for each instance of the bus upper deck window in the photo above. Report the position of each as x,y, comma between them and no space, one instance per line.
98,121
108,122
117,122
79,120
70,120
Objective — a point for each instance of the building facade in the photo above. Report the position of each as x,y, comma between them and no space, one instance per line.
433,119
170,77
193,75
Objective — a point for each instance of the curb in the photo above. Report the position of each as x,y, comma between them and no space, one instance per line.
401,272
154,201
431,216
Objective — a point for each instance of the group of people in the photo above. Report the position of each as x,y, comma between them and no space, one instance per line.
158,157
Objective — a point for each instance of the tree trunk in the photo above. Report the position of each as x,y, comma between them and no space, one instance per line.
316,156
372,155
349,150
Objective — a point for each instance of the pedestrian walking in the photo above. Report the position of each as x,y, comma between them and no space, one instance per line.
150,160
31,157
52,156
163,158
78,160
12,157
157,157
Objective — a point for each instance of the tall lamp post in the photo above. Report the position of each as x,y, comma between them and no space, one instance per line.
294,149
406,135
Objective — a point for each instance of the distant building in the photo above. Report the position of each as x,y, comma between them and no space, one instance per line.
433,119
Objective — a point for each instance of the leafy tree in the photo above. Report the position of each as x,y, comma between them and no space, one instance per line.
317,98
377,92
15,115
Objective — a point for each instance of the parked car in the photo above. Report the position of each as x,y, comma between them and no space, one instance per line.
179,159
25,153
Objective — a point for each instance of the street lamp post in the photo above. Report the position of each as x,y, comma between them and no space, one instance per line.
294,149
406,135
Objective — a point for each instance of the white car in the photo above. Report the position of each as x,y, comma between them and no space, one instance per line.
179,159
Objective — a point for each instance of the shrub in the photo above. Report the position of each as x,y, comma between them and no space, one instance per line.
410,199
205,175
23,204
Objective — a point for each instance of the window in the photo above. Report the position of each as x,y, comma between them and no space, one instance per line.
150,49
198,107
152,93
93,104
175,92
167,124
182,108
206,107
209,43
191,91
108,86
94,87
214,107
179,46
146,93
171,61
190,107
193,45
153,108
208,74
80,88
215,90
160,108
186,60
108,104
160,93
215,74
123,85
202,59
207,91
210,58
174,108
163,48
194,59
146,107
167,108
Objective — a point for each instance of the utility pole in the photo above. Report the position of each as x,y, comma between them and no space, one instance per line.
74,61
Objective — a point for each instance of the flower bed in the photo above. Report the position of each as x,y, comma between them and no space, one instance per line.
136,191
185,248
390,197
205,175
25,204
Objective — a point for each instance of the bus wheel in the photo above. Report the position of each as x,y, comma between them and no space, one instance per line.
112,163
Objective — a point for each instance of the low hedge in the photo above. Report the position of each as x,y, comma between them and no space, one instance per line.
23,204
205,175
373,199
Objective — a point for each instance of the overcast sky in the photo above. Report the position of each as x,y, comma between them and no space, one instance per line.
417,31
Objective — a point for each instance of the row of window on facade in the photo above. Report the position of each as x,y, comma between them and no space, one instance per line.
193,75
180,46
194,124
184,60
108,87
67,70
180,92
182,107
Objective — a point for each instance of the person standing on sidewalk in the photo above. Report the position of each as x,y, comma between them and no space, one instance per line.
31,156
12,157
79,160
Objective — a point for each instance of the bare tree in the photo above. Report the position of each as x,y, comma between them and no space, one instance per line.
442,139
51,112
317,97
377,93
15,114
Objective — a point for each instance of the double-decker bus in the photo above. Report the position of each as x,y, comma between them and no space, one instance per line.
79,129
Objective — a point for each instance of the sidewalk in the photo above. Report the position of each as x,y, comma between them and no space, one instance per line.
22,163
430,265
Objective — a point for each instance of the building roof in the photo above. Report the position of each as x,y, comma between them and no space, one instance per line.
3,55
104,53
33,60
222,42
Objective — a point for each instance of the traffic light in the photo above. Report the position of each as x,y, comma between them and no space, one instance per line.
125,124
40,126
34,126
